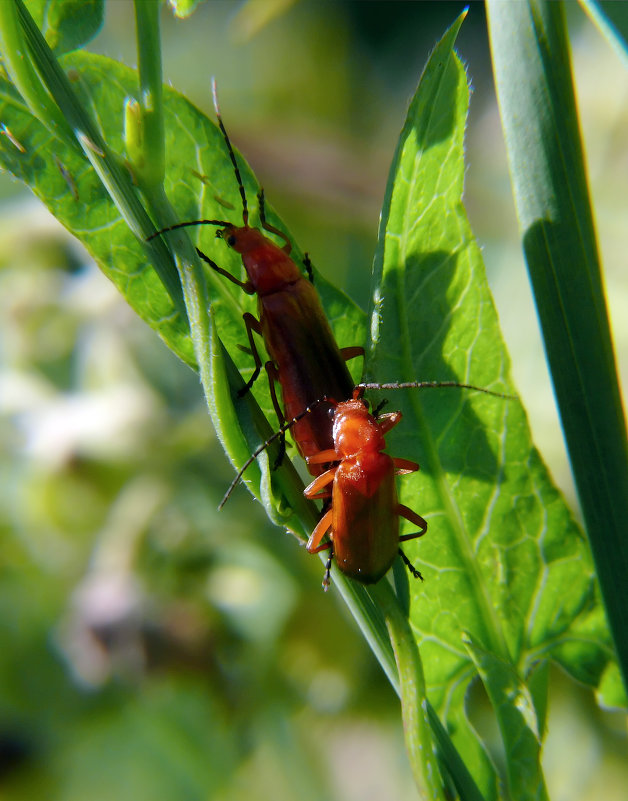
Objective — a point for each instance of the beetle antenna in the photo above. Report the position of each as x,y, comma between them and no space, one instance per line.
434,385
282,430
225,135
188,224
236,169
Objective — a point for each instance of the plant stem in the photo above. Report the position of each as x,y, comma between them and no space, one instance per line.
151,92
417,730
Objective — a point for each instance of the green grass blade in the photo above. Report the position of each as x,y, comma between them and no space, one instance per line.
150,167
532,68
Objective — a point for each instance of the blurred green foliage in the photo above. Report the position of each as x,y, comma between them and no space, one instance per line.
153,648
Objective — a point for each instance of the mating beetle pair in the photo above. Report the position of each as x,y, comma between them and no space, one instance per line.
341,441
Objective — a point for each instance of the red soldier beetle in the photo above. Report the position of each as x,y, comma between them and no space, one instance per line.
363,519
304,356
364,515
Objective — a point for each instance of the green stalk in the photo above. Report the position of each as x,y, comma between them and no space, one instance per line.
428,744
152,170
416,726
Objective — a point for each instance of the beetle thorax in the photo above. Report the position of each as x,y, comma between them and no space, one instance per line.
356,430
268,267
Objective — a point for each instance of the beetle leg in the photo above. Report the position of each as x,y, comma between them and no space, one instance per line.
388,421
404,466
327,574
351,353
271,228
410,566
319,484
321,457
308,267
379,407
247,286
322,527
252,325
413,517
273,378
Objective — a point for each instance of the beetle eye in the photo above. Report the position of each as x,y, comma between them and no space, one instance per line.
231,240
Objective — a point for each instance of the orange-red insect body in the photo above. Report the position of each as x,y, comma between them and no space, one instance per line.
305,358
363,520
364,514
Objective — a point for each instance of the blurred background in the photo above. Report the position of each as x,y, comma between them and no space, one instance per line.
153,648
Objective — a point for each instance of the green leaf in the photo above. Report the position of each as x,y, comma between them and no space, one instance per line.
531,57
22,71
503,558
512,701
65,181
67,24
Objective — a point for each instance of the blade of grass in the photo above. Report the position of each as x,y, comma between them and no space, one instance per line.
536,97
